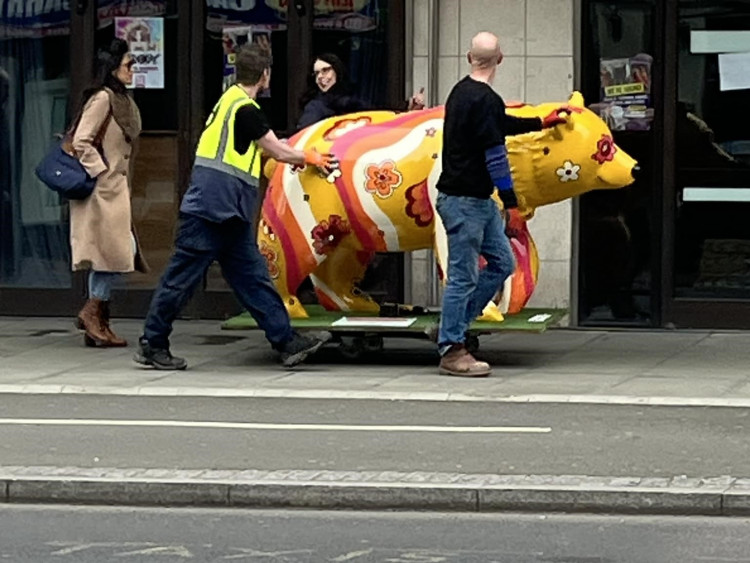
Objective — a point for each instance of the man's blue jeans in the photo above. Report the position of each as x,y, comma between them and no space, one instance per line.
474,227
233,243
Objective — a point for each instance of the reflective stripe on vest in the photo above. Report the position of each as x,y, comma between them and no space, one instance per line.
216,145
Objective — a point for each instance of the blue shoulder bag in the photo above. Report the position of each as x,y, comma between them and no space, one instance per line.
61,170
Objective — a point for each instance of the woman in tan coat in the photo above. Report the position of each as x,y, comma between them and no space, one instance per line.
102,236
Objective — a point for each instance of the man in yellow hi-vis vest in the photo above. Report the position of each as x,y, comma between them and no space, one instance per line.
217,221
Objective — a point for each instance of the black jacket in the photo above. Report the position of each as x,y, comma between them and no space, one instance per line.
328,104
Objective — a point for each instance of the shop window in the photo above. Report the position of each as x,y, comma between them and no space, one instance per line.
34,85
616,226
712,151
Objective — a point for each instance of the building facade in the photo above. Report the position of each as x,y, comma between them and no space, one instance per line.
670,76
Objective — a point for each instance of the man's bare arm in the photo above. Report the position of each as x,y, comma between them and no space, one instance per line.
284,153
280,151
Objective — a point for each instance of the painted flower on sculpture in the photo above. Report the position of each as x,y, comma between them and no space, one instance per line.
418,205
327,235
605,149
382,179
335,173
568,172
271,260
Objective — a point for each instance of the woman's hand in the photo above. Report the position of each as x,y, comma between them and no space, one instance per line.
416,102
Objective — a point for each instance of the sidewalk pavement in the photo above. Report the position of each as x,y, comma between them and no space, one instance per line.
46,355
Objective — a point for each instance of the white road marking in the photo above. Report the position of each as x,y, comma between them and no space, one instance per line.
172,550
351,556
272,426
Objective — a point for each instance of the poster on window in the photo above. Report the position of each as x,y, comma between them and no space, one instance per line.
233,38
625,96
145,37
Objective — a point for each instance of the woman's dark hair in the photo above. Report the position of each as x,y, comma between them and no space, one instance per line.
342,86
108,60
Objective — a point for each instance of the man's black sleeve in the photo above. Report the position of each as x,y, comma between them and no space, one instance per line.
519,125
486,118
249,125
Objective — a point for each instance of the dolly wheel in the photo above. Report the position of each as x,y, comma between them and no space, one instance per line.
352,347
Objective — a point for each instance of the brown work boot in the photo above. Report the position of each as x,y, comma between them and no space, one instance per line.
90,320
113,340
459,362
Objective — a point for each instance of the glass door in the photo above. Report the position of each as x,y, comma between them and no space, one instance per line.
367,34
711,266
618,228
158,41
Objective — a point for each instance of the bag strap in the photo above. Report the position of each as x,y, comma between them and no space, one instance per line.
103,129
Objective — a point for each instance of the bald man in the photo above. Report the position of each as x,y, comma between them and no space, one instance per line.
475,163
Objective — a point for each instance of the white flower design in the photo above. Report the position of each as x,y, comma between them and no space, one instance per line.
335,173
568,172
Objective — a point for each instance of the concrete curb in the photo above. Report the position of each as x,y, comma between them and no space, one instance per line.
371,395
370,490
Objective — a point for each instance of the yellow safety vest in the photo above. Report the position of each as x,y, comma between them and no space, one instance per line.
216,145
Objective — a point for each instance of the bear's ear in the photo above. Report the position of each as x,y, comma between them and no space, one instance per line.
576,100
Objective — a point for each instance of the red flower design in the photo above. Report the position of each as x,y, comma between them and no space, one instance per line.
605,149
327,235
418,205
271,260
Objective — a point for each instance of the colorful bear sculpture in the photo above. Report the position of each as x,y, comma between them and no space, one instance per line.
382,198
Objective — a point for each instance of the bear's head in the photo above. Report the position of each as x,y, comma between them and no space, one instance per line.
566,160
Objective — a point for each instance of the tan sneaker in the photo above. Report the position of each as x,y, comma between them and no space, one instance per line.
460,363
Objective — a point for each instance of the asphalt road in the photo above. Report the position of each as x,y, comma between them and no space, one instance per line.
30,534
88,431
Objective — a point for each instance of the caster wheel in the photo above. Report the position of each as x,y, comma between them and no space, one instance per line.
472,343
373,343
352,347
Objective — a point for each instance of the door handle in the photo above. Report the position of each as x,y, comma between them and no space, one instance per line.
81,6
300,7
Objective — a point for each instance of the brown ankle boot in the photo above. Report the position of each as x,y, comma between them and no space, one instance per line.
114,341
90,319
459,362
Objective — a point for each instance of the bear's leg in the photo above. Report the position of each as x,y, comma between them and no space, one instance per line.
271,249
335,281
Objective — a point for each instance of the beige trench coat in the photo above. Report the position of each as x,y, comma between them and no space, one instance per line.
101,225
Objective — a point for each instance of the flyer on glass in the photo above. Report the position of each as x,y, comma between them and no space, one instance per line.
145,37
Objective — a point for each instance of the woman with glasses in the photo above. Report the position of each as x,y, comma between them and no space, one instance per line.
330,93
102,236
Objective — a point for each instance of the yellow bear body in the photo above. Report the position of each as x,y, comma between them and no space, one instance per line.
382,198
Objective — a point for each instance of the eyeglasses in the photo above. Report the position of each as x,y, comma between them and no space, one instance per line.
324,70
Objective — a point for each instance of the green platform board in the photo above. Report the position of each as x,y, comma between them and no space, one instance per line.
320,319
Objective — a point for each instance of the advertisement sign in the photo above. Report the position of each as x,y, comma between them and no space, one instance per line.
625,95
344,15
145,37
34,18
232,39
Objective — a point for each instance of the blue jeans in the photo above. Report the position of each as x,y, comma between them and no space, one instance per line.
474,227
234,244
100,284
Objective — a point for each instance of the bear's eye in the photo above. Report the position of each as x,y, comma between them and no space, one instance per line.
545,150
